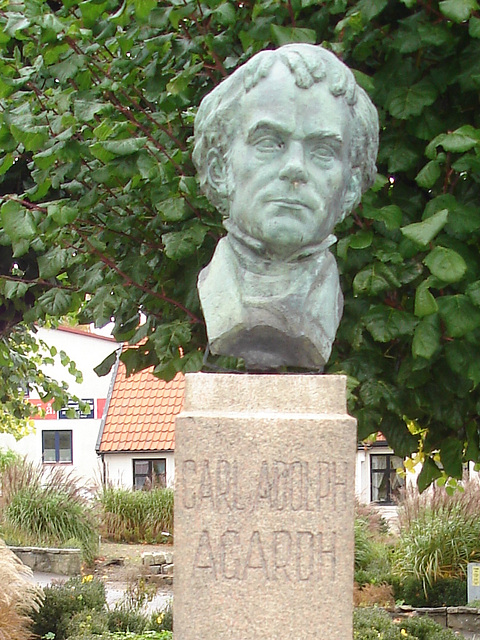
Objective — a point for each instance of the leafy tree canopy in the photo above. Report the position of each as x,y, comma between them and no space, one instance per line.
102,216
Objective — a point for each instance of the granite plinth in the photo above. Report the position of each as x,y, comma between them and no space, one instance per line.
264,508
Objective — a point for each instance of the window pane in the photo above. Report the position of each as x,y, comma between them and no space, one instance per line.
142,467
139,481
379,462
48,446
49,455
159,467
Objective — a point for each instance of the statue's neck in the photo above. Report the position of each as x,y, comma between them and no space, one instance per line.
255,256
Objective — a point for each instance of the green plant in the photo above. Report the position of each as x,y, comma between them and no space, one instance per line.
375,624
444,592
121,618
372,554
87,621
62,601
46,507
439,535
136,516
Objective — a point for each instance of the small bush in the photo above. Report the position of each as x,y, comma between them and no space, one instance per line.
136,516
451,592
372,624
123,619
62,601
88,621
372,555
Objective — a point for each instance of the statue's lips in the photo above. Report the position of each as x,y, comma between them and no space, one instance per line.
289,203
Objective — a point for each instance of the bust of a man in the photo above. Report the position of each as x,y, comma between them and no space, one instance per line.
284,148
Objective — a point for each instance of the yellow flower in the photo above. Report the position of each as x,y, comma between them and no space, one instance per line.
160,618
404,632
87,579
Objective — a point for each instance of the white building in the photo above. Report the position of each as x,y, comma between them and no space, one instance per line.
59,440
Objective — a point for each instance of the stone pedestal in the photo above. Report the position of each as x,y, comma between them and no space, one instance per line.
264,499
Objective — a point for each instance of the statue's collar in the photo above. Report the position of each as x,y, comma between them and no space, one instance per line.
251,251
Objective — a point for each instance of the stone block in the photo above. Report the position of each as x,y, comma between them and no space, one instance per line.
264,508
167,569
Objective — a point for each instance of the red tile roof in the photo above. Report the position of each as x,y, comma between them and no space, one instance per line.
141,412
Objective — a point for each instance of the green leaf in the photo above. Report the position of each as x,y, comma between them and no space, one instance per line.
385,323
429,473
172,209
52,263
62,214
424,232
445,264
426,339
391,215
124,147
106,365
407,101
56,302
458,10
474,27
473,292
361,240
181,244
428,176
285,35
459,315
425,303
17,221
451,457
143,8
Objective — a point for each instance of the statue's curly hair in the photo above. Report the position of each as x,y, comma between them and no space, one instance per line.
216,122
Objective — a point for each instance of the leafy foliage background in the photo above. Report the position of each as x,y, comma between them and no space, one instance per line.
102,216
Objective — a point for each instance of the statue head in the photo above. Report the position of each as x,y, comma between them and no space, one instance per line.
286,146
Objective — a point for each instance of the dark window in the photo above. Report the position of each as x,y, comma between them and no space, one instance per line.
385,481
149,473
57,446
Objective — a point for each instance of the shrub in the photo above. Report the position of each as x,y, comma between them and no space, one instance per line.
62,601
136,516
88,621
447,592
373,594
372,555
46,507
372,624
19,598
439,535
124,619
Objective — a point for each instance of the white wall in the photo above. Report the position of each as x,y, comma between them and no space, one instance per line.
119,466
87,351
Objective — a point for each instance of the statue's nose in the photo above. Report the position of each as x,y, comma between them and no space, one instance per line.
294,168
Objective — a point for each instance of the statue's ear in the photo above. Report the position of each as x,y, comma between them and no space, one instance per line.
217,171
353,193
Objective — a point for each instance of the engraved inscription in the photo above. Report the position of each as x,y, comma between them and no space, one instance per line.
297,485
289,556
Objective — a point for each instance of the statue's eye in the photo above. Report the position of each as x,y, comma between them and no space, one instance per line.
269,143
323,152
